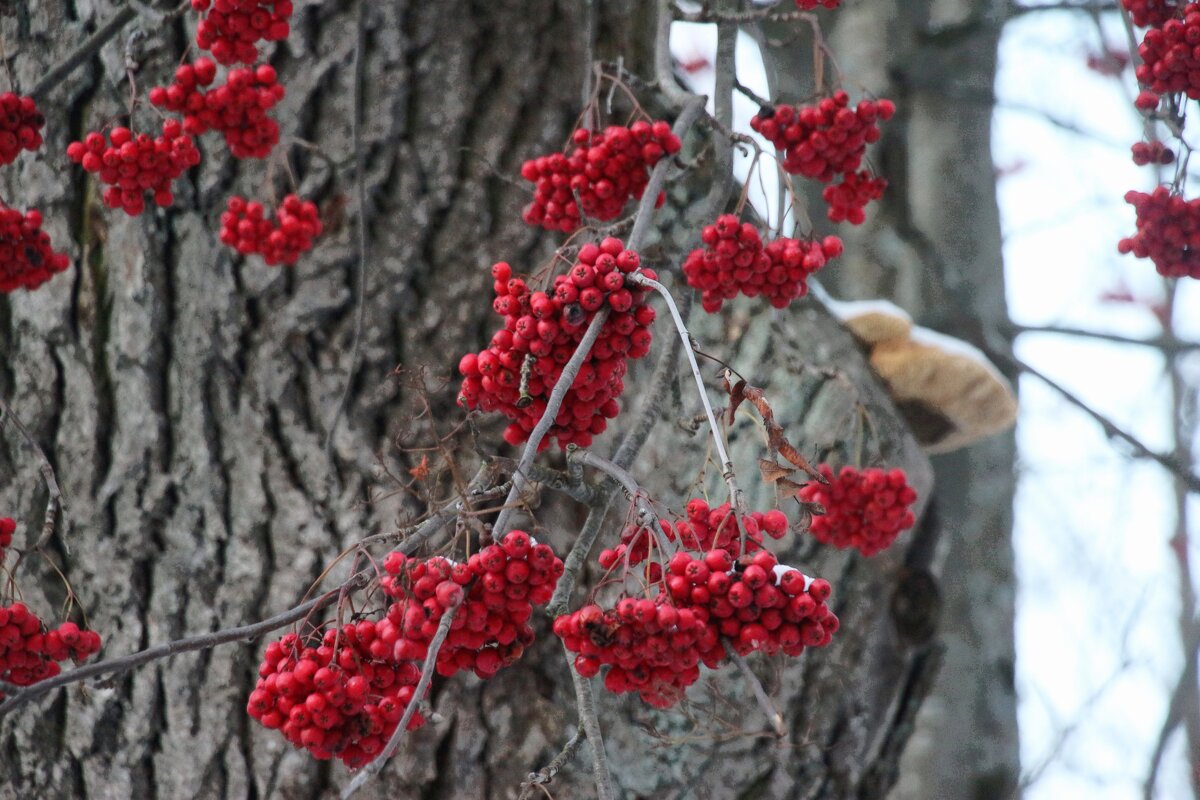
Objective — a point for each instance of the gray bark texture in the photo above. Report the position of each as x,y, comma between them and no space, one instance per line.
183,397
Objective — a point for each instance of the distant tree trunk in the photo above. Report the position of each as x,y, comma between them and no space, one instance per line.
184,396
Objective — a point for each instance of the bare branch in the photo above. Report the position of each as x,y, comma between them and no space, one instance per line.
760,694
586,703
547,773
54,503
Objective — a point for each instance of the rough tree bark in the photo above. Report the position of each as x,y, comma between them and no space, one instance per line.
184,397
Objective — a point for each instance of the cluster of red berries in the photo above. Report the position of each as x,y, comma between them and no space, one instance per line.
734,260
1151,13
655,646
545,329
1154,152
824,140
497,587
7,527
1168,232
604,169
704,529
232,29
30,652
809,5
238,108
344,698
340,699
848,199
1171,58
27,259
245,228
864,509
135,164
20,126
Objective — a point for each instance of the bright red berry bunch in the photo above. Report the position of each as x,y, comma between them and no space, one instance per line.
654,646
20,126
498,588
809,5
825,139
232,29
237,108
1151,13
1168,232
734,260
754,602
1154,152
133,164
848,198
603,168
245,227
544,328
340,699
864,509
7,527
30,652
27,259
704,529
1170,56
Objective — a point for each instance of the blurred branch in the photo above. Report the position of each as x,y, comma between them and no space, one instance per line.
1163,343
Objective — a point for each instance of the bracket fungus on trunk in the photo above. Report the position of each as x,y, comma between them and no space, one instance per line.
948,391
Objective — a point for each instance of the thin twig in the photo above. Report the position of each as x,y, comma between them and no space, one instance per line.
586,703
1111,429
520,478
760,694
361,191
726,71
85,51
204,641
1166,345
427,672
54,503
735,494
637,495
664,70
547,773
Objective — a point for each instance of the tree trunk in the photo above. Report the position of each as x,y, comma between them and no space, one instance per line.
184,397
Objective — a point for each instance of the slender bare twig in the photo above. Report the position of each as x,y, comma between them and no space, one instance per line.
1111,429
54,503
691,110
760,694
427,671
103,35
203,641
547,773
586,703
360,190
646,517
1176,710
664,70
520,478
735,494
1165,344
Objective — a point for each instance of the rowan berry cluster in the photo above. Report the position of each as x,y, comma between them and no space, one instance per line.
27,259
1168,232
232,29
517,372
824,140
848,199
237,108
31,652
809,5
1154,152
7,527
133,164
20,126
603,169
340,699
1170,58
734,260
863,509
704,529
497,587
1151,13
245,227
654,646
